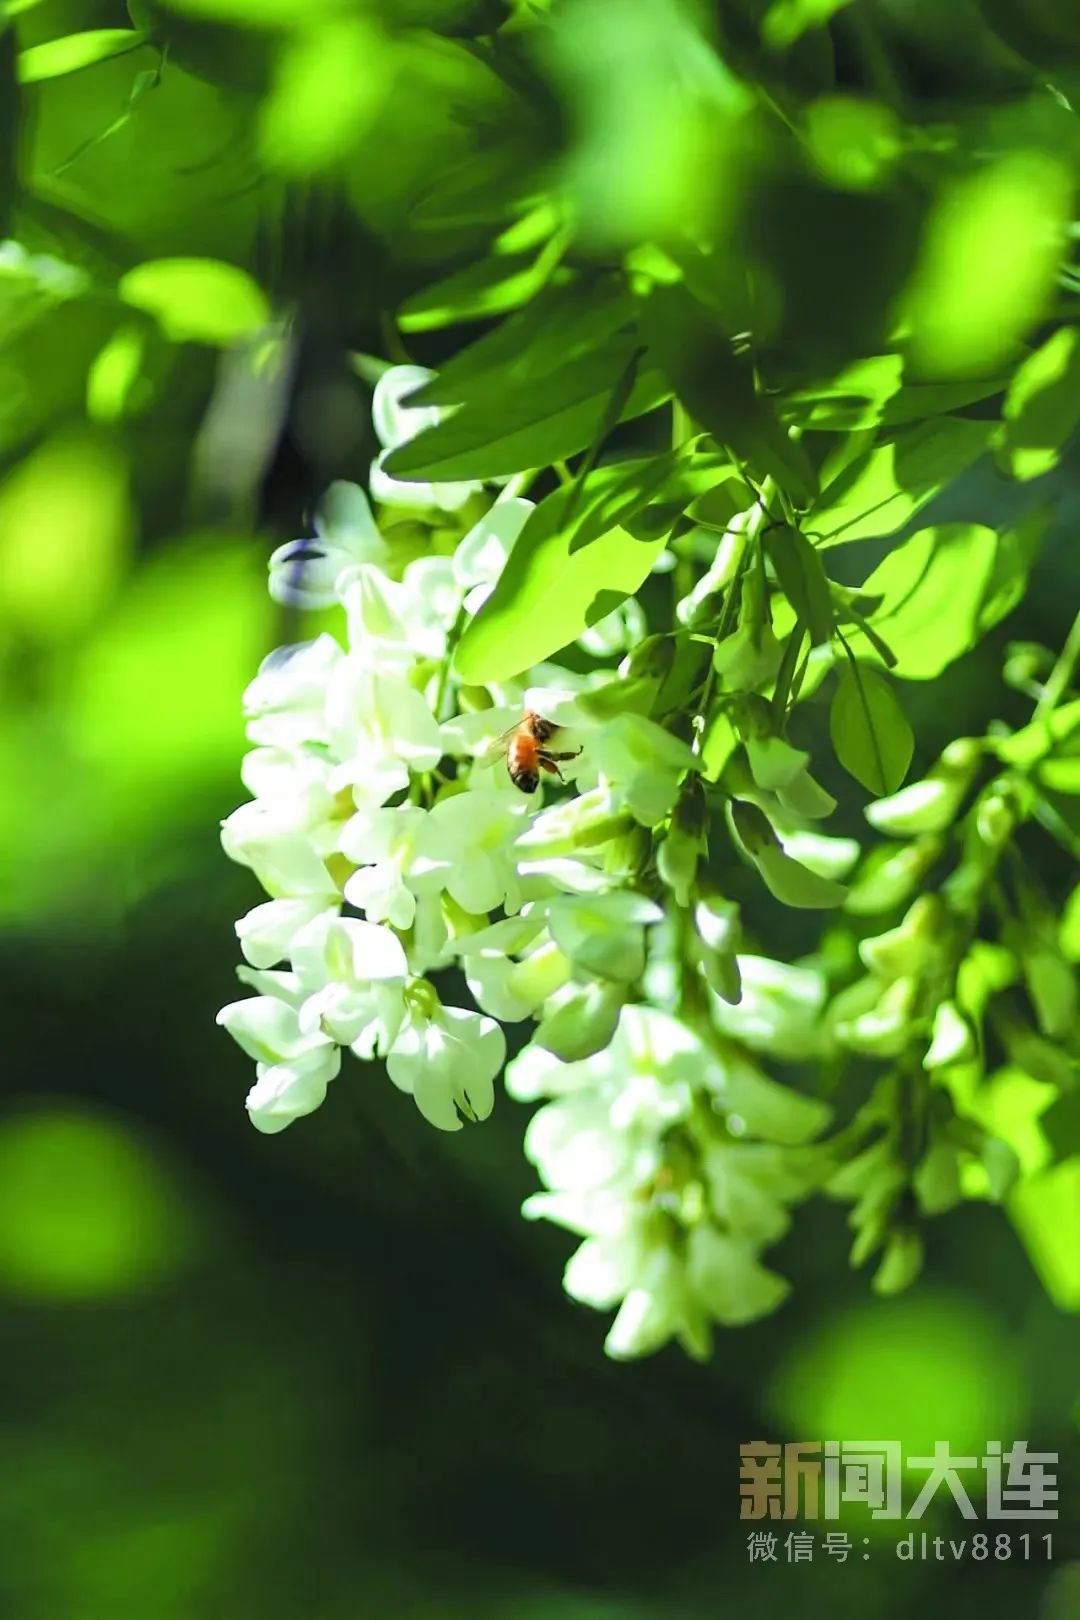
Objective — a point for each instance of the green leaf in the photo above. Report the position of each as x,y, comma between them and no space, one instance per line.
547,595
854,398
529,424
9,125
59,56
1043,1210
565,321
885,486
1042,406
787,20
197,300
330,84
661,485
932,590
802,579
718,390
869,730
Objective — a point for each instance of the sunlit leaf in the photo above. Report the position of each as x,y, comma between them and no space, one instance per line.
787,20
869,730
330,83
531,425
932,588
59,56
558,327
1042,406
888,484
197,300
548,595
988,262
1043,1210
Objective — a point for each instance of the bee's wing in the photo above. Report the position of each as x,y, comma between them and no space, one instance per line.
496,749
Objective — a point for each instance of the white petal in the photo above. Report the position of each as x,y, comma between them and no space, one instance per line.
284,1092
267,1029
267,931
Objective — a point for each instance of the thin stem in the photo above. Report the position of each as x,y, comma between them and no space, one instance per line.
1061,674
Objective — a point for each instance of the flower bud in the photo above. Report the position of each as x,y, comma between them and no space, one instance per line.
908,948
929,806
582,1023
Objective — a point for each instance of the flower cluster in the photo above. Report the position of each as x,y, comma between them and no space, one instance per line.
400,857
392,846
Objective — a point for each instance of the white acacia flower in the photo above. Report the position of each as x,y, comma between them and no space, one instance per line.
352,977
266,933
306,573
383,842
447,1058
294,1065
396,423
285,702
381,728
274,838
466,847
394,623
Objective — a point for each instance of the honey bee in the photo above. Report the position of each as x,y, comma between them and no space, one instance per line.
525,747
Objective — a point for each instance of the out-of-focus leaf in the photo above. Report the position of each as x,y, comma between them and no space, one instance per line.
329,84
548,595
988,261
531,425
869,730
148,718
1043,1208
197,300
259,13
9,124
65,528
657,117
1042,406
113,378
60,56
885,486
86,1211
787,20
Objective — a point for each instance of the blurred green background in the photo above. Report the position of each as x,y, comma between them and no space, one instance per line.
332,1373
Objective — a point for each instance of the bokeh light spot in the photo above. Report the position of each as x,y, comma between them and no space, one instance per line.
916,1370
86,1208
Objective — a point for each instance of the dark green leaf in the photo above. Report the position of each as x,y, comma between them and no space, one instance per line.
531,424
869,730
802,579
561,324
492,286
717,388
9,125
616,494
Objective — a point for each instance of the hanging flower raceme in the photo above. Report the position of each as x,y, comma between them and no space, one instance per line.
393,844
